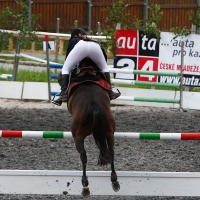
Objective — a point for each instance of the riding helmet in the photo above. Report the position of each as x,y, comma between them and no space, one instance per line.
76,31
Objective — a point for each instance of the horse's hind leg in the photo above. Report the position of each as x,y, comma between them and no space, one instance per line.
79,143
115,183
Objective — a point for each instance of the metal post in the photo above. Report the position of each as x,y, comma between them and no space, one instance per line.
145,11
57,39
48,68
99,31
193,31
198,4
118,26
17,55
89,15
75,24
181,78
29,12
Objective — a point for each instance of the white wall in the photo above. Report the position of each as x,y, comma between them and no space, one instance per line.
39,91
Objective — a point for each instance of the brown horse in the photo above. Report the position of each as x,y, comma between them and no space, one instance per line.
89,105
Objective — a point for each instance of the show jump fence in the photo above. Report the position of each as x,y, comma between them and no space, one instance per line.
132,183
132,82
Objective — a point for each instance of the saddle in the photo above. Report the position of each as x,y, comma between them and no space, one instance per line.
87,70
85,73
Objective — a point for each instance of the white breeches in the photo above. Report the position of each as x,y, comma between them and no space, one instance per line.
82,50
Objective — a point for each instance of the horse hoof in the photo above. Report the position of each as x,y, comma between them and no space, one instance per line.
86,192
116,186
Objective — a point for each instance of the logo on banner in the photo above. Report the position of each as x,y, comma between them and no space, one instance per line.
148,45
125,62
126,42
136,51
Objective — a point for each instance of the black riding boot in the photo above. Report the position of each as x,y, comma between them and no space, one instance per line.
112,95
63,95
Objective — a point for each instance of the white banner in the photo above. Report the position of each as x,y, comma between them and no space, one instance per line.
138,51
170,53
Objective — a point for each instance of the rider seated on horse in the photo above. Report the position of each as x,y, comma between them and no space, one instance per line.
79,48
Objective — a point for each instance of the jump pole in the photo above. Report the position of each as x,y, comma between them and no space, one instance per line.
133,82
143,99
147,99
52,182
127,71
145,83
125,135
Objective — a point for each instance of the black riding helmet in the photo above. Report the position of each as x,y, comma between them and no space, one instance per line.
76,31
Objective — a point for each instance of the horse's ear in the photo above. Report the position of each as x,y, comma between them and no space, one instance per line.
59,78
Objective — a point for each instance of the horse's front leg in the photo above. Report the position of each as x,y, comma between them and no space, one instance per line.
80,148
113,178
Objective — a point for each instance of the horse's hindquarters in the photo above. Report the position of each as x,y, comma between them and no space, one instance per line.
91,114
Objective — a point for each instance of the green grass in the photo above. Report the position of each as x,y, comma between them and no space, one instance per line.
12,58
27,59
27,76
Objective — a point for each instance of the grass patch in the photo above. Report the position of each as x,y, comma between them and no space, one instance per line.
196,89
12,58
27,59
7,57
27,76
39,44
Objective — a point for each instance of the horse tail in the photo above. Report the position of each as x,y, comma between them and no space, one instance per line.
97,114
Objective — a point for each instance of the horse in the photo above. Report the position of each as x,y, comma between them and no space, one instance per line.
89,105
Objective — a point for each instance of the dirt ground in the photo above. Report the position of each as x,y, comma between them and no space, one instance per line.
130,155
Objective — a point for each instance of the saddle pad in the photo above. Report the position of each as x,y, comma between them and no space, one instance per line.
100,82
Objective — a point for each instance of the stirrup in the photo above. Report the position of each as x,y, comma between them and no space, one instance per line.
56,102
114,95
63,98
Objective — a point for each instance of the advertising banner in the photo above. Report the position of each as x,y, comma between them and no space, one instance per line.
137,51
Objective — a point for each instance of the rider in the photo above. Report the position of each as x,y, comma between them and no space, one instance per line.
81,47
